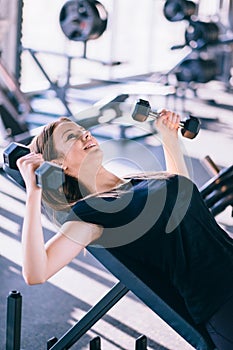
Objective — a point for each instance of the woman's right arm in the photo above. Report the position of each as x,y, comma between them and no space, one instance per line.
168,124
40,260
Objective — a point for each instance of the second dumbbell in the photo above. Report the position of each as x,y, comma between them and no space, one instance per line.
49,176
189,127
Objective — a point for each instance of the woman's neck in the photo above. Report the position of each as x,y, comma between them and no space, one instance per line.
103,181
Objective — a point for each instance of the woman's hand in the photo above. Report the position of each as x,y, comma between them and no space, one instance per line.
27,166
167,124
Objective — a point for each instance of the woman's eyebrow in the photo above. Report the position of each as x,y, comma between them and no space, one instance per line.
81,129
68,130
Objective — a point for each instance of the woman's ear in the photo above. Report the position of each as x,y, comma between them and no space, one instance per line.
57,162
60,163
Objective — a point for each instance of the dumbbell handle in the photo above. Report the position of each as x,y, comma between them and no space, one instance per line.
156,115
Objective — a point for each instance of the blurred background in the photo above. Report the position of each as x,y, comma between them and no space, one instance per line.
62,57
92,60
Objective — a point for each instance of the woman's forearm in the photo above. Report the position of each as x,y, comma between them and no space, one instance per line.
174,157
34,254
168,124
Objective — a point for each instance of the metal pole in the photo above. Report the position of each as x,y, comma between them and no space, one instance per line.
141,343
13,328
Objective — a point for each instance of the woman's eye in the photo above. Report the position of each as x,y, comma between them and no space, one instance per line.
70,136
76,135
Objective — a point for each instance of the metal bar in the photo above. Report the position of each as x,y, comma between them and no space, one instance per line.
208,161
92,316
18,39
60,91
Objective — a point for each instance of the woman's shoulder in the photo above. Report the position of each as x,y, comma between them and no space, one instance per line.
135,182
158,175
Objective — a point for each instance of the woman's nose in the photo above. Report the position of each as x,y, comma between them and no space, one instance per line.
86,135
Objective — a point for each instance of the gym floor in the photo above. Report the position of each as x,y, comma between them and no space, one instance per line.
52,308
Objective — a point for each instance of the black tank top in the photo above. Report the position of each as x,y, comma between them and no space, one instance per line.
164,226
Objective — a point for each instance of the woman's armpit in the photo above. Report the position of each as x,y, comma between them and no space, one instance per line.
80,232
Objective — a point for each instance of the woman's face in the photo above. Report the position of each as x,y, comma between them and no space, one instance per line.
79,150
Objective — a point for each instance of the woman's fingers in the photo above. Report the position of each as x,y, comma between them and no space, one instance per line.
32,160
27,166
169,119
167,123
173,120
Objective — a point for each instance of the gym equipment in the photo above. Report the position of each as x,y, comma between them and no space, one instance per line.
13,152
198,33
141,343
230,17
178,10
13,326
218,191
49,176
95,116
83,20
95,344
169,306
198,70
208,39
56,86
189,128
51,342
14,105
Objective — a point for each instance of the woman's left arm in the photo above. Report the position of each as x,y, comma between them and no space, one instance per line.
167,125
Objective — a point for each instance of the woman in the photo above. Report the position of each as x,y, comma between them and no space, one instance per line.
154,222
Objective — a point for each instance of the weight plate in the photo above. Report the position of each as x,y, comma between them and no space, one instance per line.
83,20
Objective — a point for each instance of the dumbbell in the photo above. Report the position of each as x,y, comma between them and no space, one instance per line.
189,127
48,176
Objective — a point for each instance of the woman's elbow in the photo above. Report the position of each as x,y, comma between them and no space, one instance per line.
32,280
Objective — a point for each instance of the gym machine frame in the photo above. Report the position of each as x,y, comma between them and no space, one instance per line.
61,90
128,281
11,101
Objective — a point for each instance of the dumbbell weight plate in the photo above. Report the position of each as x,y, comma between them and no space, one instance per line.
191,128
13,152
178,10
49,176
141,111
82,20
